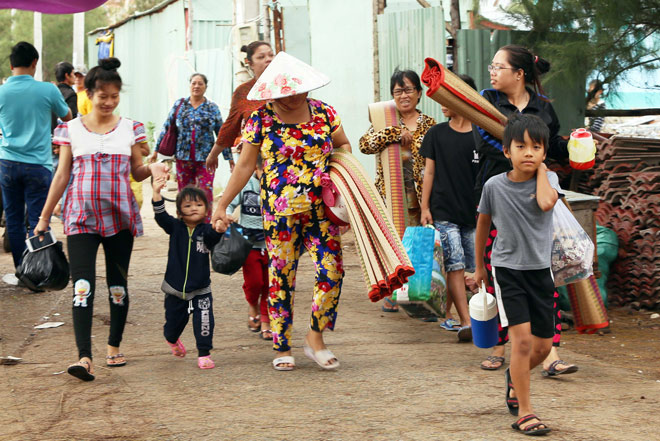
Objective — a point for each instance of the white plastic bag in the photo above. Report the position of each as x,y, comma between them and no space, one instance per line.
572,249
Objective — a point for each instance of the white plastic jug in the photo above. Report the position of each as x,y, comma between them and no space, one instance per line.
483,314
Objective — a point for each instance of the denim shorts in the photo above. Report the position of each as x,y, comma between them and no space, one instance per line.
457,246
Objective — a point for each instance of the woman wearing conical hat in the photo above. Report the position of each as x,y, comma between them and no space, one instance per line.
295,136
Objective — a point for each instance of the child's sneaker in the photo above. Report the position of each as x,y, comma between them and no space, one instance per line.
205,362
178,350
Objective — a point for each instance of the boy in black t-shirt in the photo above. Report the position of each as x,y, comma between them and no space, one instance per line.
448,203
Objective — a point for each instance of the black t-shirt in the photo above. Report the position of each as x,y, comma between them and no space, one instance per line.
456,167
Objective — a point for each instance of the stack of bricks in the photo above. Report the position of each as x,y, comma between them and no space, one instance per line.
627,178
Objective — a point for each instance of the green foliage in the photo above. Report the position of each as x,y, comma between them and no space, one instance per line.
57,35
622,34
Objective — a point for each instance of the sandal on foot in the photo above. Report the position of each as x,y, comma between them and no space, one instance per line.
492,359
254,323
267,334
533,429
81,370
115,360
464,334
450,325
511,402
178,350
389,305
552,370
205,362
280,361
322,357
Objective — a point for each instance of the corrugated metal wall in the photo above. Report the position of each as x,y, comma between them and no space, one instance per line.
156,67
405,38
475,52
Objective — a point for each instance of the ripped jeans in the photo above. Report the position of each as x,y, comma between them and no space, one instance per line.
82,250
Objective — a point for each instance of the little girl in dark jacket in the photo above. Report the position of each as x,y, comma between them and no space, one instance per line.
187,284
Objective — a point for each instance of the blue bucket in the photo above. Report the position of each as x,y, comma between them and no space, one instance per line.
484,333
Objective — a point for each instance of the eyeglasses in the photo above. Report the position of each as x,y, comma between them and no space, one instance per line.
496,69
407,90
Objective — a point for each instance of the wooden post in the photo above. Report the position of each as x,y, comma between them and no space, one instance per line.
378,8
278,30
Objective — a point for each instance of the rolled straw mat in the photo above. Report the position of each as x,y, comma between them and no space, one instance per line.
449,90
383,258
589,311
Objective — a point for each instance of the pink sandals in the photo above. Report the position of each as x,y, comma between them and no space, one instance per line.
178,350
205,362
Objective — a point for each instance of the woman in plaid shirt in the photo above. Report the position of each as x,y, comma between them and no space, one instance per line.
100,150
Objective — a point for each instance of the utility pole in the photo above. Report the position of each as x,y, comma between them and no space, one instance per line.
455,14
266,21
38,44
78,58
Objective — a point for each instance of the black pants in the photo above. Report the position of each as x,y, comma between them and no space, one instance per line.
177,313
82,256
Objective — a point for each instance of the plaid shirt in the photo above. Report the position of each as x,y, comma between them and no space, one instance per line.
99,199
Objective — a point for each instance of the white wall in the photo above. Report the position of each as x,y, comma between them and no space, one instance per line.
342,48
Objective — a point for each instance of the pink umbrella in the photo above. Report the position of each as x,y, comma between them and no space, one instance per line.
52,6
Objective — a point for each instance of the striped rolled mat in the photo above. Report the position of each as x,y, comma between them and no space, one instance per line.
589,312
383,258
448,89
384,114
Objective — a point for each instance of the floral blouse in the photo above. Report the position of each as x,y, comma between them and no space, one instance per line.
196,129
374,142
295,156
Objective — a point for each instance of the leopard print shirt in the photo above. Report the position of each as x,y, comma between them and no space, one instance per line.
374,142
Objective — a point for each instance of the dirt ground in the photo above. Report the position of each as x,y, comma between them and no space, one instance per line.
400,379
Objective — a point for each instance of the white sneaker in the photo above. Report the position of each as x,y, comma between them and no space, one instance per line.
10,279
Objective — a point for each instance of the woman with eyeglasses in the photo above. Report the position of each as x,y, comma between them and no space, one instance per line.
406,89
515,76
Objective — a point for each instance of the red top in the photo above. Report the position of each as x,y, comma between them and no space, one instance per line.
240,111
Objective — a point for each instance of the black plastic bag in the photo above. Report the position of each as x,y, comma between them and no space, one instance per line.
45,269
230,253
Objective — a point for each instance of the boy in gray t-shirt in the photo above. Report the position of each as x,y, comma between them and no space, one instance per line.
520,203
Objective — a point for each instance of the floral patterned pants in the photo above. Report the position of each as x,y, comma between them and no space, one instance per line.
195,173
285,237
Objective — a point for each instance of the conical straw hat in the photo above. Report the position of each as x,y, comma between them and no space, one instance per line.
286,76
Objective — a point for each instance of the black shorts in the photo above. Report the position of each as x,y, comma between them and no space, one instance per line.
526,296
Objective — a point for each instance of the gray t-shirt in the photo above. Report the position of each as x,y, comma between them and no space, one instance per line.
524,231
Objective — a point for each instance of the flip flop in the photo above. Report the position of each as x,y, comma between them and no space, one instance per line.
110,360
322,357
389,305
450,325
493,359
267,337
287,359
256,321
531,429
80,371
552,371
511,402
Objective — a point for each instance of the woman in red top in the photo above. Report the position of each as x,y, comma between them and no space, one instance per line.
259,56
